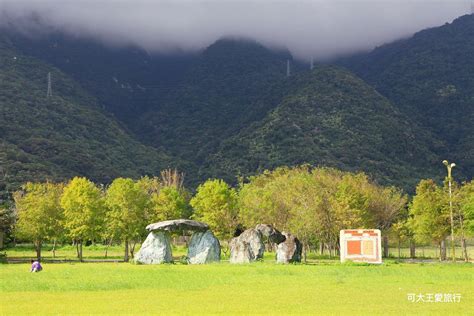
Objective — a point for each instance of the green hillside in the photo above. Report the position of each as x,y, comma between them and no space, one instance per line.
230,110
430,78
331,118
61,136
127,81
219,96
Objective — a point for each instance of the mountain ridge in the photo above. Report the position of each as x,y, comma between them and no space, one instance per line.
231,110
429,77
64,135
333,119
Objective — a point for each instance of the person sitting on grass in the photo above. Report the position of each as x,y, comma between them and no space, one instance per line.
36,266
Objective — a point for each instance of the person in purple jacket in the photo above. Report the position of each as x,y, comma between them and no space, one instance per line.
36,266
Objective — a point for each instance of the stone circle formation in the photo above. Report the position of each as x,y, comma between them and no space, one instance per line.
204,247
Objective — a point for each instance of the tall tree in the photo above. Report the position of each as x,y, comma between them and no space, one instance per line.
386,204
402,231
303,199
149,185
84,211
7,219
465,205
215,203
261,200
127,204
39,213
430,215
170,203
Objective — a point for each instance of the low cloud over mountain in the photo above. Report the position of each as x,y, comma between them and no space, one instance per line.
320,28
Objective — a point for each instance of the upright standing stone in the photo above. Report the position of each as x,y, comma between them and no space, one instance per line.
271,233
240,251
247,247
156,249
204,247
290,250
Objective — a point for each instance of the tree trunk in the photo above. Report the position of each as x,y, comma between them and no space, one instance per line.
464,249
442,250
305,249
54,248
321,248
38,249
107,247
80,251
125,258
77,249
398,246
412,249
2,238
385,246
132,250
463,239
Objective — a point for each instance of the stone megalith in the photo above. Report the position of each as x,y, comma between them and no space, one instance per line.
271,233
178,225
247,247
240,251
156,249
289,250
204,247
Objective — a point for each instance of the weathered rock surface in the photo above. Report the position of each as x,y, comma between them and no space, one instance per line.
240,251
178,225
271,233
247,247
156,249
204,247
289,250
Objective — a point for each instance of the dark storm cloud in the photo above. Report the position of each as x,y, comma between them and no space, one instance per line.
318,28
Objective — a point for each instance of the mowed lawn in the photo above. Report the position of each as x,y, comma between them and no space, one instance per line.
258,288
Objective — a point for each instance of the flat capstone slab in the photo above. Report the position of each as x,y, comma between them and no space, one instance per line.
178,225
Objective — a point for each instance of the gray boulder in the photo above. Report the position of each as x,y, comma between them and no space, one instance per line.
204,247
240,251
290,250
155,250
247,247
271,233
178,225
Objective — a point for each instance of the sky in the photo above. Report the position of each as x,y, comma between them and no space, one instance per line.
308,28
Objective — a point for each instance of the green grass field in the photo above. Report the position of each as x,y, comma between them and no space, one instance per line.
258,288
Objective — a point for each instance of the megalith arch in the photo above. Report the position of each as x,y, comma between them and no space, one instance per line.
204,247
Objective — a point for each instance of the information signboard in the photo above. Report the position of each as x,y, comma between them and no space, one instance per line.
361,245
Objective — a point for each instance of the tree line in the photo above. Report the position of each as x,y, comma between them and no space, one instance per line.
312,203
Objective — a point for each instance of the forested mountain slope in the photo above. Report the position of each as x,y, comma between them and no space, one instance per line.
329,117
430,77
61,136
231,110
218,97
127,81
